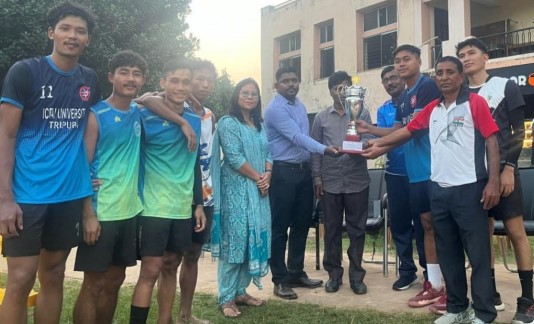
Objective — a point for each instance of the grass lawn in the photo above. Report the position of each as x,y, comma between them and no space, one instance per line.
276,311
205,306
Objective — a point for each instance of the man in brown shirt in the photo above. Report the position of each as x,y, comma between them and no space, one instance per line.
342,185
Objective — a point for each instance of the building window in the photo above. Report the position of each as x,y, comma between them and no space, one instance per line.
378,50
290,43
292,61
380,17
289,51
379,36
327,62
327,33
325,50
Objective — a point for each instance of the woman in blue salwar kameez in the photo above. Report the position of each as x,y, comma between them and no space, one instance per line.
241,234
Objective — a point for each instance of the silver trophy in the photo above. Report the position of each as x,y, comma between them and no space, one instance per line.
354,107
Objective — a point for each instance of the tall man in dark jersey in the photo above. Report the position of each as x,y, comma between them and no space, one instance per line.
507,108
44,174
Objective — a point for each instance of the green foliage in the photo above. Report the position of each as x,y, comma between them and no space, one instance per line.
219,101
155,29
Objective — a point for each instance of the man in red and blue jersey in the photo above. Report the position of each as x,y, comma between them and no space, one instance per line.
420,91
405,224
44,174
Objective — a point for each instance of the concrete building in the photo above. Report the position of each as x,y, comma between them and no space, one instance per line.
358,36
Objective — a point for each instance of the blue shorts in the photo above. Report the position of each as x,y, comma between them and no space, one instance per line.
420,197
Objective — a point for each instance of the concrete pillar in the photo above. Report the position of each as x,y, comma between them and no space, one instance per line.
459,24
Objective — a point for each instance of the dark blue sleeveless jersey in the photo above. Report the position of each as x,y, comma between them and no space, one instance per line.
417,150
50,159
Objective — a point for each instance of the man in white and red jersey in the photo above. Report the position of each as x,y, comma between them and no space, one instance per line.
460,128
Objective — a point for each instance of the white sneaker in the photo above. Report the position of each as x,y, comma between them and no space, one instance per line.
478,321
465,317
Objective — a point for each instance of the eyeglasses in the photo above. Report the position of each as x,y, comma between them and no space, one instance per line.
246,94
288,81
393,78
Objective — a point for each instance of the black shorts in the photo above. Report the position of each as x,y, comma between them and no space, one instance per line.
117,245
205,235
54,227
511,206
420,197
157,235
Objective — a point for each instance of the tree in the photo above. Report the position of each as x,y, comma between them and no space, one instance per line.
219,101
155,29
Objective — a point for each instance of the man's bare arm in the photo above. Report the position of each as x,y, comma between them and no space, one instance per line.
387,143
491,193
91,225
10,212
364,127
157,105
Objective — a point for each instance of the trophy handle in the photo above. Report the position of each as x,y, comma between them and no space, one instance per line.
341,93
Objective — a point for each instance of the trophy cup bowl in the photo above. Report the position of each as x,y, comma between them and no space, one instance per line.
353,106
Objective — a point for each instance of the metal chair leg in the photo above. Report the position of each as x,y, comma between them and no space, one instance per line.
317,248
386,254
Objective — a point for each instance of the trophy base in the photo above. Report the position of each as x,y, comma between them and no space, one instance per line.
352,147
350,151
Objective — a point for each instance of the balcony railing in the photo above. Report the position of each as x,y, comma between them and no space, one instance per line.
516,42
437,53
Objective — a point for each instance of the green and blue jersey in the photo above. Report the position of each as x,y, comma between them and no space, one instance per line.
116,162
167,167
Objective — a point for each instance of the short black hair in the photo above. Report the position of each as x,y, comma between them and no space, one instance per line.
473,41
127,58
235,110
286,69
452,59
198,64
337,78
385,70
408,48
68,8
174,65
